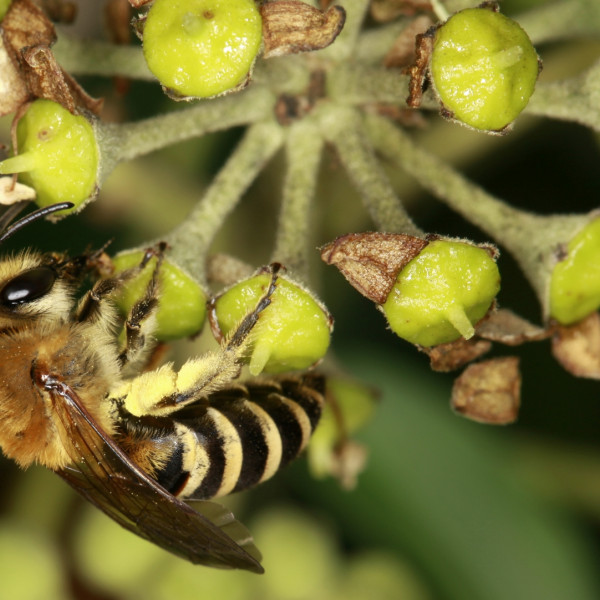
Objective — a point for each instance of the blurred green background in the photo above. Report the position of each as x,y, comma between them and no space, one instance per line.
446,509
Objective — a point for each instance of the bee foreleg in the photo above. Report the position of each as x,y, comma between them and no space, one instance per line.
140,322
89,308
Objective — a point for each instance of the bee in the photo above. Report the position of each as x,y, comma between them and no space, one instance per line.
136,444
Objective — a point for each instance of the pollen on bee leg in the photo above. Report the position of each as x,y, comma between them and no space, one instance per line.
147,390
207,373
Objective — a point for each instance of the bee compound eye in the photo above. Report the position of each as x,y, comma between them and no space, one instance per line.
28,286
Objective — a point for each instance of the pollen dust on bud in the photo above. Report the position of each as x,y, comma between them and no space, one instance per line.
371,261
291,27
489,392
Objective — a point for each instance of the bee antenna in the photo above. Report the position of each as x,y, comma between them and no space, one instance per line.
40,213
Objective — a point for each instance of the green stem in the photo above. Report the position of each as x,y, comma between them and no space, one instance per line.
344,128
355,85
575,99
304,146
533,240
566,19
189,242
130,140
89,57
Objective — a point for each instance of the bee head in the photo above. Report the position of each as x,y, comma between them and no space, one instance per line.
31,285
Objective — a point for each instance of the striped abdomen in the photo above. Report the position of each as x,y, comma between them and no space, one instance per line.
232,440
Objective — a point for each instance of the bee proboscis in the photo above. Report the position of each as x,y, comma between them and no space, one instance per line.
136,445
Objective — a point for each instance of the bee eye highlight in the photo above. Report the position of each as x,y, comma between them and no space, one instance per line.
28,286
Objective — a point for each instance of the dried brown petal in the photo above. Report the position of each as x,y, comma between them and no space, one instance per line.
506,327
118,20
291,26
388,10
489,391
418,71
289,108
25,24
403,52
372,261
28,34
577,347
59,11
13,90
12,191
348,461
452,356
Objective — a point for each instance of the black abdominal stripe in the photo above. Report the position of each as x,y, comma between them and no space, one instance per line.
241,436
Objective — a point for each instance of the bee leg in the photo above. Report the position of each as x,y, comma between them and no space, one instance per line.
89,308
162,392
140,322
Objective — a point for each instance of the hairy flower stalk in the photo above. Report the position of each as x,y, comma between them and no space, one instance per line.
303,148
343,127
130,140
189,242
533,240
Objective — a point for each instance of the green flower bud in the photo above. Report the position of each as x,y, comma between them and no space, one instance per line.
182,302
4,6
350,405
202,48
483,67
575,281
292,333
58,155
442,293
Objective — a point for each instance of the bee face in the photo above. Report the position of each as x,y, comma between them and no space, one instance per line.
31,289
136,444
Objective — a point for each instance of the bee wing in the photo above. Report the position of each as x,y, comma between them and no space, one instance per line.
104,475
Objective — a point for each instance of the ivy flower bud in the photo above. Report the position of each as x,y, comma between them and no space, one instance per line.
483,67
442,293
202,48
575,281
331,451
4,6
58,155
292,333
182,302
431,292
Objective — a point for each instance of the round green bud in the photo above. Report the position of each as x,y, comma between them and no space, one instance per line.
202,48
484,68
182,302
4,6
350,405
442,293
575,281
292,333
58,154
